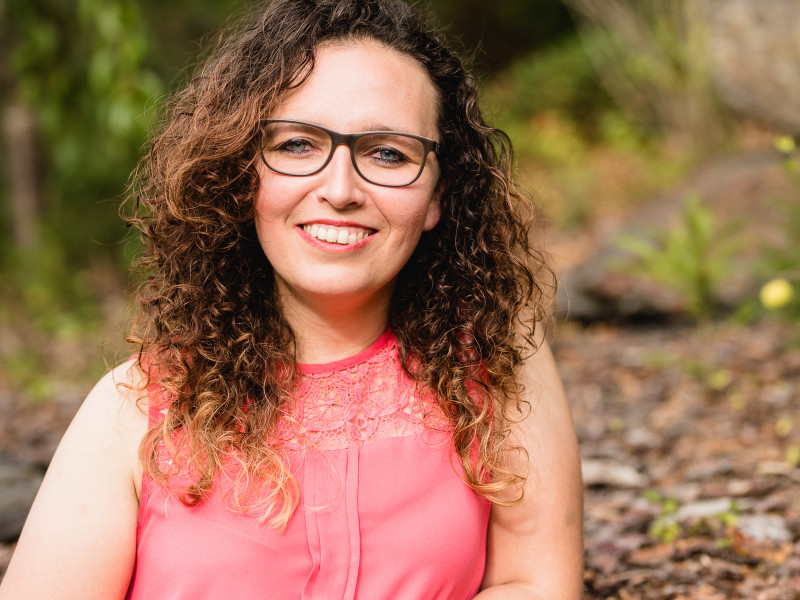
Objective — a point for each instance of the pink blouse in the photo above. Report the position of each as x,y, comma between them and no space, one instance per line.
384,511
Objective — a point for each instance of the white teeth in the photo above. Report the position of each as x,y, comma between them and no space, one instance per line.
334,234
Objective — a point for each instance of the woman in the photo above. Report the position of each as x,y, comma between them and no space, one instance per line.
339,393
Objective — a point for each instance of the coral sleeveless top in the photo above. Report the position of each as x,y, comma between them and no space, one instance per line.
384,512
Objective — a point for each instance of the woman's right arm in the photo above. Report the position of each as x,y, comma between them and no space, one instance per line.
80,537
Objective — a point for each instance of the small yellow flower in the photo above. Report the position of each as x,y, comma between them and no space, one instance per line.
776,293
785,144
720,379
784,425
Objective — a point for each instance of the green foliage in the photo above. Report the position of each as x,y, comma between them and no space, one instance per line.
552,105
692,258
26,370
652,59
80,69
579,151
560,77
57,296
778,266
667,527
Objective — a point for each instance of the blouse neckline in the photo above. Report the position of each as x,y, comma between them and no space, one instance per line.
345,363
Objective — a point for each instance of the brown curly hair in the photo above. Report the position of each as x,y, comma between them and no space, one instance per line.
210,332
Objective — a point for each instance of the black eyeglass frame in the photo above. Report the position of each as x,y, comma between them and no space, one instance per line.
349,140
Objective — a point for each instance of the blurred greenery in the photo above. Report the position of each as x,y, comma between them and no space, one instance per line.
693,257
79,69
81,83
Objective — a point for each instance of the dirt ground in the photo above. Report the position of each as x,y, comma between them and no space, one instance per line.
690,439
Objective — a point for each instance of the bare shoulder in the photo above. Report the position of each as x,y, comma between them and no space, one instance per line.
119,401
537,545
80,537
114,417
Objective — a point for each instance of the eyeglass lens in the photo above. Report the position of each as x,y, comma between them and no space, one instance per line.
391,159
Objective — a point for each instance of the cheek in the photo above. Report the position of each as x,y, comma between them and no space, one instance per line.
268,216
414,219
274,201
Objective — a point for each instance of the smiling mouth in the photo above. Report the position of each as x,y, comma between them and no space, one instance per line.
336,235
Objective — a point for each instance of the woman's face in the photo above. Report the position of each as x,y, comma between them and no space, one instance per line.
354,87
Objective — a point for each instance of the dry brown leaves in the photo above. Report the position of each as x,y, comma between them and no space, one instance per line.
706,420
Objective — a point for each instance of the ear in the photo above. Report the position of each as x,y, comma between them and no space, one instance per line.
434,212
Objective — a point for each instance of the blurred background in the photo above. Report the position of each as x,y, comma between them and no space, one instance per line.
658,139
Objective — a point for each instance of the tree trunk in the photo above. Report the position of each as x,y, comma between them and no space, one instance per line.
19,131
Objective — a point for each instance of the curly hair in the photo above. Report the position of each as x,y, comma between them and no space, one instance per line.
210,333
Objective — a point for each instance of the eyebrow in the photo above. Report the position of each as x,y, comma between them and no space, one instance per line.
369,127
383,127
378,126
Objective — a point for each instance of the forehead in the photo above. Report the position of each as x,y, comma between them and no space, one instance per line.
362,85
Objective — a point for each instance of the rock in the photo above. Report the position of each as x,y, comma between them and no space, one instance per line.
764,528
703,471
598,471
703,509
769,467
19,483
594,292
754,51
642,438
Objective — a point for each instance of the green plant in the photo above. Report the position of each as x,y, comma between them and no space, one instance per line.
692,258
652,59
665,527
79,75
719,526
668,527
553,106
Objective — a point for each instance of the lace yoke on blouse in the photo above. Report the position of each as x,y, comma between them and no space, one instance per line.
364,398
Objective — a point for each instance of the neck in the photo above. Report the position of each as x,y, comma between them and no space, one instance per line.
328,329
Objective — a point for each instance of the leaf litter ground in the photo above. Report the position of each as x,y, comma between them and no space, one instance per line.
690,439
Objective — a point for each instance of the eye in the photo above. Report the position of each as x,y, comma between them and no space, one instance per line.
388,156
296,146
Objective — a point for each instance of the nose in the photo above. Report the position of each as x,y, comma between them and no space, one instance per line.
341,184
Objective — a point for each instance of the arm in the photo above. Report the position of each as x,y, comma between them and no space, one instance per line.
80,537
535,549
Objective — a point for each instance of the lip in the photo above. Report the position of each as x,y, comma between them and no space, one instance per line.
335,223
333,246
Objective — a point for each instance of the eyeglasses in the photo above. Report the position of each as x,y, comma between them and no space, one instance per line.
386,158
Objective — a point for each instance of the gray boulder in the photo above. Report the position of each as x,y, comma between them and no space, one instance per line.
19,483
754,50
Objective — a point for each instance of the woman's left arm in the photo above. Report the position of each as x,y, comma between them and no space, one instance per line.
535,548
